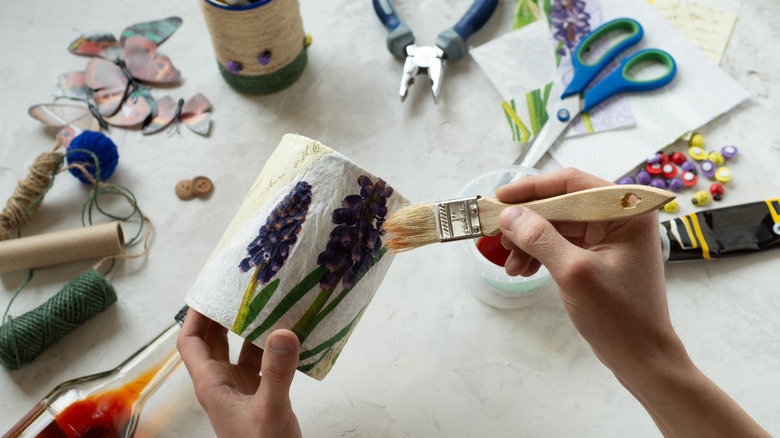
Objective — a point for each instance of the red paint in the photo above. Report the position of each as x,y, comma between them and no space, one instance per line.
491,248
103,415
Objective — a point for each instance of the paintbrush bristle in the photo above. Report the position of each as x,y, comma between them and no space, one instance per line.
410,227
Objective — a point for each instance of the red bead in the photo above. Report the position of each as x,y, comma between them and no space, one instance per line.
664,159
669,170
716,190
654,169
678,158
689,179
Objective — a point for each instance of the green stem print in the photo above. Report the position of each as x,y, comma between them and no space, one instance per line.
310,321
246,301
289,300
301,328
519,131
327,347
526,12
537,107
250,312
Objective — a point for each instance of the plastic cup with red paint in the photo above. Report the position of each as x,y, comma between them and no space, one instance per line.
485,257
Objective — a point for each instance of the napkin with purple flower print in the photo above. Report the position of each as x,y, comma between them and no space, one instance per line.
305,252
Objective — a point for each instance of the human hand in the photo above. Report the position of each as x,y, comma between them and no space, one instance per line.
610,279
610,274
238,401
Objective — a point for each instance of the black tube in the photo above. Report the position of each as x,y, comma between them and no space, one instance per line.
722,232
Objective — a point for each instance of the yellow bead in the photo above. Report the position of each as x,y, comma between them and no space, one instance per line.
716,157
308,40
696,140
671,207
697,153
700,198
723,174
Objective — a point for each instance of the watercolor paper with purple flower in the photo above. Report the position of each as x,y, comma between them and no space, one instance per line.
304,252
700,92
546,38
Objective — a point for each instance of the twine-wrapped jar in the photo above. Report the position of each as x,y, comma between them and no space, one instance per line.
260,46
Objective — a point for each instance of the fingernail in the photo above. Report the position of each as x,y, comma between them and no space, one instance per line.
282,345
509,215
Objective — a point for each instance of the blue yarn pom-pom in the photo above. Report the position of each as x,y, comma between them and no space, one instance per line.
98,144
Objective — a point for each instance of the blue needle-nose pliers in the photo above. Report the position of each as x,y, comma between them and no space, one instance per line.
450,44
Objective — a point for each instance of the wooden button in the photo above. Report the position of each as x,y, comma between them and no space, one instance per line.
184,190
202,186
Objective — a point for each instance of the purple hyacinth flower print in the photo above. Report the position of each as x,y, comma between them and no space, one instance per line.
357,237
269,250
570,23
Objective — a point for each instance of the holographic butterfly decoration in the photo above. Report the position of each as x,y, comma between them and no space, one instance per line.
193,113
73,119
118,69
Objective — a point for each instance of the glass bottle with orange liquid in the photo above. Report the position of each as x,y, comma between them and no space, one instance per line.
108,404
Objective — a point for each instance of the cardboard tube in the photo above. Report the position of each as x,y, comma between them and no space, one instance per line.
61,247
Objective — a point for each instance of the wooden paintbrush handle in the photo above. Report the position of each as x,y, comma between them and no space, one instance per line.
592,205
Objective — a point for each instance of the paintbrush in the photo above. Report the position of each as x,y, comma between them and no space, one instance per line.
417,225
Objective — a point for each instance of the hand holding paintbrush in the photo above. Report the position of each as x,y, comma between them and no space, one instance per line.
421,224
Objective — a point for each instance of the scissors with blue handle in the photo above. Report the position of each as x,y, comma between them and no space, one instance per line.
450,43
573,102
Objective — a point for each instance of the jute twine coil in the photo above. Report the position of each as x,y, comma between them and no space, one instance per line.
27,192
244,34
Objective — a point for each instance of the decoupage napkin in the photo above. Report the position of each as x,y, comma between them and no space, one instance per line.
304,252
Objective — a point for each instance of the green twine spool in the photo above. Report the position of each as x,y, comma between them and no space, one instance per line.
22,339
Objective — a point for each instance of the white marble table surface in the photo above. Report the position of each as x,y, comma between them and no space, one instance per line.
428,359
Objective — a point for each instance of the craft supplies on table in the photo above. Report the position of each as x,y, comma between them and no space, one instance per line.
430,60
260,47
303,252
700,92
619,81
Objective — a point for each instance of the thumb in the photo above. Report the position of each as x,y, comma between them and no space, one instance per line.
536,236
280,358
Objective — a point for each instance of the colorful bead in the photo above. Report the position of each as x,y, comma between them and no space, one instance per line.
654,169
643,177
664,159
697,153
669,171
264,58
696,140
689,167
234,67
729,151
716,157
627,180
723,174
716,190
689,179
671,206
655,158
708,168
678,158
658,183
700,198
676,185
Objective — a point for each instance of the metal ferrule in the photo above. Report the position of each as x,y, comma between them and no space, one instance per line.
457,219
